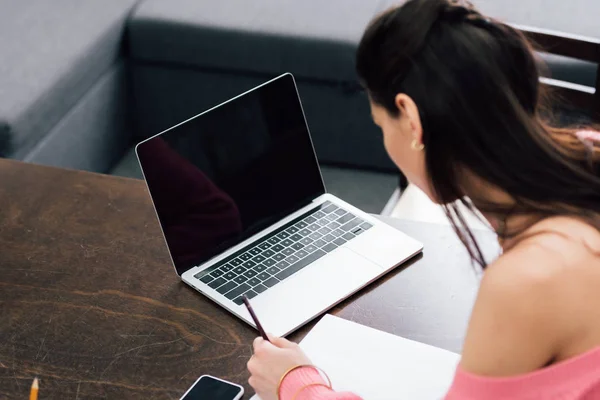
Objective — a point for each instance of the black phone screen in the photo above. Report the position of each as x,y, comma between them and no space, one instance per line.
207,388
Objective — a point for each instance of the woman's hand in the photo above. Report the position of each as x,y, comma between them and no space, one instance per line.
270,361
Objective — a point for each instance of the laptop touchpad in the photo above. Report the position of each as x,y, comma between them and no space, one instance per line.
313,290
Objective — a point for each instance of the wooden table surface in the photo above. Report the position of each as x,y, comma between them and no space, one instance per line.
90,303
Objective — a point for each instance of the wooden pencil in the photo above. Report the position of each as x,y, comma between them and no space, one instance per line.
33,395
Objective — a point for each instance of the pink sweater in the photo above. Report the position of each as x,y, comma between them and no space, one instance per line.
575,379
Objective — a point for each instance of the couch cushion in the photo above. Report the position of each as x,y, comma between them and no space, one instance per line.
52,52
310,38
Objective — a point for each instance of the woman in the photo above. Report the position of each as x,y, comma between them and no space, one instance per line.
457,98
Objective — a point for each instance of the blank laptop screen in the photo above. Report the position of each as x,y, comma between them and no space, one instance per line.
230,172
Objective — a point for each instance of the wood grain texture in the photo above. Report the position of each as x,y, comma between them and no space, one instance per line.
89,301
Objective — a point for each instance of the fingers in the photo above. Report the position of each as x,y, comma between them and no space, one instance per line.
281,342
257,342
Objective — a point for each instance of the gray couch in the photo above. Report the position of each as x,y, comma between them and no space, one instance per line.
82,81
63,92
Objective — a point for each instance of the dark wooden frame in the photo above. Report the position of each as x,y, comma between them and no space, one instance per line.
585,98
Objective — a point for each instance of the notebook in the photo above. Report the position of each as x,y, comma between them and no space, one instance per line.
377,365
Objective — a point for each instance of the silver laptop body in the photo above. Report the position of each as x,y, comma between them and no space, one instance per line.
243,208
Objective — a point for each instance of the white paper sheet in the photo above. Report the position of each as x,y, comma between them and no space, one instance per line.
377,365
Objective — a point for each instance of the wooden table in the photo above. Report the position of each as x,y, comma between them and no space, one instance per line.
90,303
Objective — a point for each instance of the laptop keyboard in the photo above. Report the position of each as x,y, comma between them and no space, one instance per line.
284,252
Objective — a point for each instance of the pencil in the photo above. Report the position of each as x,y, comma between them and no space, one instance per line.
34,390
255,318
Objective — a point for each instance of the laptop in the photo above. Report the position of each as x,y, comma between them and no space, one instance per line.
243,208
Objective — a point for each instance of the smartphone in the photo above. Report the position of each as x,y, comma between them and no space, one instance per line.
210,388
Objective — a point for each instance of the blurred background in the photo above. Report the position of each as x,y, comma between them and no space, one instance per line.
82,81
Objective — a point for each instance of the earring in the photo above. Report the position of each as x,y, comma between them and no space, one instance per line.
416,146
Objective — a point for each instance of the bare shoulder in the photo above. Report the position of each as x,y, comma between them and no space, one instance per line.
524,315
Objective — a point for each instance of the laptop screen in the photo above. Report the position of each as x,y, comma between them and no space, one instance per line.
230,172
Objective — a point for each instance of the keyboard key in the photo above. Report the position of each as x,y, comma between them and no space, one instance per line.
238,291
345,218
329,247
306,241
301,254
216,273
350,225
264,245
314,227
297,246
348,236
236,261
340,212
253,282
226,268
338,233
315,236
217,282
268,253
263,276
260,268
329,238
255,251
283,235
259,288
291,230
322,222
333,225
239,301
310,219
239,270
366,225
293,259
278,257
274,240
277,248
245,256
240,279
271,282
305,232
325,230
281,265
300,264
358,231
287,242
249,264
251,294
227,287
258,259
339,241
319,214
205,278
288,251
230,275
269,263
320,243
310,248
273,270
296,237
301,225
331,217
329,209
250,274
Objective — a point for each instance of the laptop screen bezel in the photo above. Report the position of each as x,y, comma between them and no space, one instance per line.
293,207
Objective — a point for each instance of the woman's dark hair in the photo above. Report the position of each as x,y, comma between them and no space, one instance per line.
475,83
